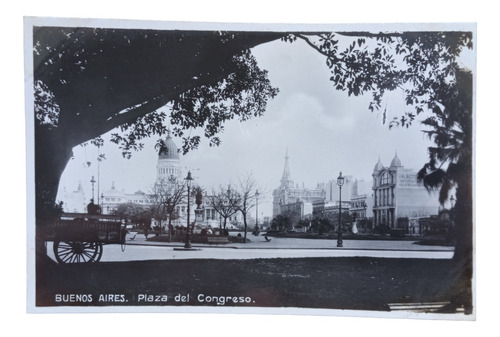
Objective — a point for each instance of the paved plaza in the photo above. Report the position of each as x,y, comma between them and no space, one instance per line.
140,249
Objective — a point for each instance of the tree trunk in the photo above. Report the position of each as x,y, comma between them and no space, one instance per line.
170,227
224,224
463,256
53,150
52,153
246,226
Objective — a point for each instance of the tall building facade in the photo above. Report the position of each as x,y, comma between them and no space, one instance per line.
113,197
333,191
362,199
397,193
288,194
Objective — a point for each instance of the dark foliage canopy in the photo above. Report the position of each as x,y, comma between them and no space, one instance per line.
90,81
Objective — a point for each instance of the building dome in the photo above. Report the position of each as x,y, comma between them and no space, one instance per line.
168,149
396,162
168,167
378,166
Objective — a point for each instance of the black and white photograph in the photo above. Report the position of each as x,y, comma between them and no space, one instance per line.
317,169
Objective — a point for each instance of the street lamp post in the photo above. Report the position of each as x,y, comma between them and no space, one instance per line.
98,171
189,179
169,214
340,183
92,181
452,210
256,212
365,216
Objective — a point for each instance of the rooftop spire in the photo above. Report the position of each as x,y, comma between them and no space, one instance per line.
396,162
286,179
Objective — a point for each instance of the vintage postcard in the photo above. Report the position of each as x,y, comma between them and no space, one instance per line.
251,168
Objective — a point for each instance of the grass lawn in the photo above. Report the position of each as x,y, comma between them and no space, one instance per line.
336,283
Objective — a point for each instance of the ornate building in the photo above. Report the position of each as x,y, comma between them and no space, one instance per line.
362,199
74,201
168,169
168,166
398,194
168,173
287,195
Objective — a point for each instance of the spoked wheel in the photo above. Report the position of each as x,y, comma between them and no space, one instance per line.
77,251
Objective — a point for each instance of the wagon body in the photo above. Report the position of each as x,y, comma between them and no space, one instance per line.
74,226
79,238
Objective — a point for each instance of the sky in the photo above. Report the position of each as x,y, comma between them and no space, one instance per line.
324,131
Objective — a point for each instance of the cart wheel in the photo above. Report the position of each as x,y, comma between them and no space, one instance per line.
77,251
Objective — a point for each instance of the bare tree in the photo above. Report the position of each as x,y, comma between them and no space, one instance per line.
166,196
225,202
247,200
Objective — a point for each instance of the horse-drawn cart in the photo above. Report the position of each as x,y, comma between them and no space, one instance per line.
79,238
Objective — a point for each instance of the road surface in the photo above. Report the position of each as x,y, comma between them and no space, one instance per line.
140,249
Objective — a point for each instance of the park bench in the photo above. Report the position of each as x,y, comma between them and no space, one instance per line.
398,232
218,239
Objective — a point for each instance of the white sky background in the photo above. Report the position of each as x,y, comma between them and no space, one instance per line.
324,130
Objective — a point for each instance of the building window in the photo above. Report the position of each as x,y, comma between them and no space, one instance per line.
386,179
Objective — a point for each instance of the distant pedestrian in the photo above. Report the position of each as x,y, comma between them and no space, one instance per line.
93,208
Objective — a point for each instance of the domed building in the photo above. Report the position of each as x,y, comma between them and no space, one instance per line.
378,166
168,167
398,194
169,175
395,163
168,170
